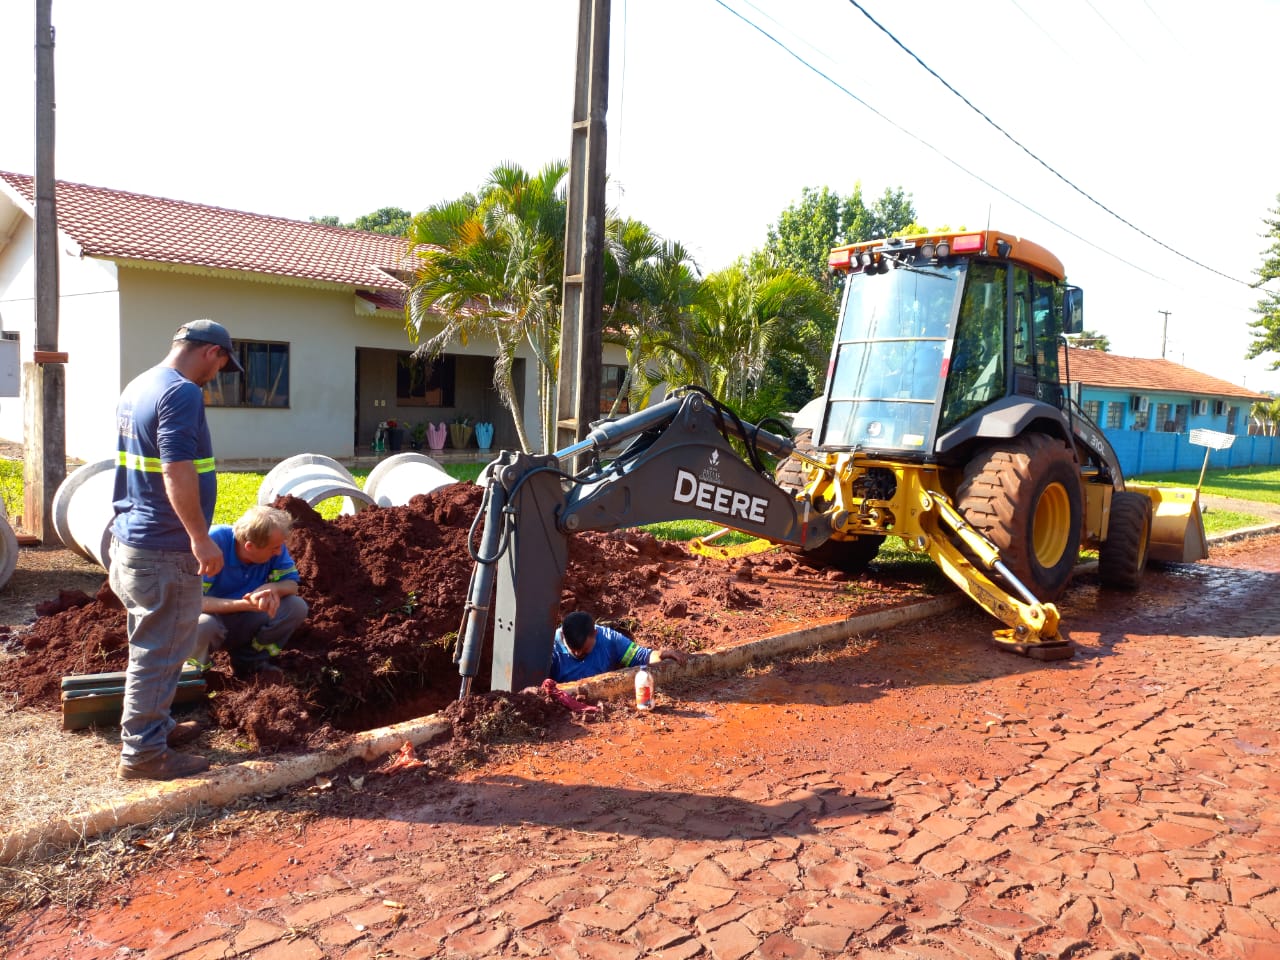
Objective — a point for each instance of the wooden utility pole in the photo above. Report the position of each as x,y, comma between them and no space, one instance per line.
1164,339
44,379
581,343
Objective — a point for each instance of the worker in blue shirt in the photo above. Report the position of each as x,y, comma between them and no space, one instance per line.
251,606
583,649
165,488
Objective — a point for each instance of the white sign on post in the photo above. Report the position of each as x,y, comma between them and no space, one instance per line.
1211,440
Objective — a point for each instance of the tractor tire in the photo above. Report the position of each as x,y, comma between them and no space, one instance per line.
790,472
851,556
1025,497
1123,555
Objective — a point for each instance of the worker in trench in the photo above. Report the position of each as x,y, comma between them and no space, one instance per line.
251,607
583,649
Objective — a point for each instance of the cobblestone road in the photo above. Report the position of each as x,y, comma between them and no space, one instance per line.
910,795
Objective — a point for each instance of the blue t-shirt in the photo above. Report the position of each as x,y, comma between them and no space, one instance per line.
611,652
235,579
159,419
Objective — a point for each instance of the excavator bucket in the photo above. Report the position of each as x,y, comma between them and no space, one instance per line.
707,546
1177,528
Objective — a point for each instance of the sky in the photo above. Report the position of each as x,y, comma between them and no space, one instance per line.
1145,153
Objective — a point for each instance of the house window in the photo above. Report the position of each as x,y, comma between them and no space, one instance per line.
1231,419
611,379
425,383
1115,415
1139,420
1093,410
1164,418
1180,417
264,383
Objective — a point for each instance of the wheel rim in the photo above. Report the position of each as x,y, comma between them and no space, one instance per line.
1051,529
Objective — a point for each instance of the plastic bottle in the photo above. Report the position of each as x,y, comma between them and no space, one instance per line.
644,690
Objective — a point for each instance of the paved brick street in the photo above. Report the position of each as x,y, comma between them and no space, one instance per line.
911,795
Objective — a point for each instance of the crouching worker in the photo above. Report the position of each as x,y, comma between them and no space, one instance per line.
583,649
252,607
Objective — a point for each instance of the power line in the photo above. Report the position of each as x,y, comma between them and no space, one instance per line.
1033,156
951,160
1115,31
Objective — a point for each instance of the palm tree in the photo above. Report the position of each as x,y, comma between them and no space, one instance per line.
1266,415
650,285
492,265
742,316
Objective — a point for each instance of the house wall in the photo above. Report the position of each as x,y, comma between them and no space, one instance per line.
88,330
1129,417
1154,450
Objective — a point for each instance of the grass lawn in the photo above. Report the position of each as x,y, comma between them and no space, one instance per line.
1243,483
237,491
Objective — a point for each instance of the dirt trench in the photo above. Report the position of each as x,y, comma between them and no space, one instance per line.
386,589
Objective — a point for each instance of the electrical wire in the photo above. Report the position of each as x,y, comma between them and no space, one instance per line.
949,159
1033,156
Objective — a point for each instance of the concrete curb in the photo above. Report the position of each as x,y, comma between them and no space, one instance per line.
225,784
218,786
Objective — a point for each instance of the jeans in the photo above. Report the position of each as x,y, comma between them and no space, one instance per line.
161,591
250,638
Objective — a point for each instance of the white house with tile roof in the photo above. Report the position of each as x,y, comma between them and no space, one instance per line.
314,310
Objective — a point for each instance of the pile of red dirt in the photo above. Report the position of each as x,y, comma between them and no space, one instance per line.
386,589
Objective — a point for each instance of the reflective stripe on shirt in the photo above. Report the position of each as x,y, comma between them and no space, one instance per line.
133,461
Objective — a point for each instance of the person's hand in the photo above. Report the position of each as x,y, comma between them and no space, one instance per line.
671,653
208,556
264,599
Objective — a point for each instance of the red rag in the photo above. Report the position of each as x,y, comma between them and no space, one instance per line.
577,706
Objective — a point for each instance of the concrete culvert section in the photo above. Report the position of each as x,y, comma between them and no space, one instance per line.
396,480
313,478
83,511
8,548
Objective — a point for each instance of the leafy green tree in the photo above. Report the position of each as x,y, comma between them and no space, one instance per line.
393,221
1091,340
492,264
891,214
1266,329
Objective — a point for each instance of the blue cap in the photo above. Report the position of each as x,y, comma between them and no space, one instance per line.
210,331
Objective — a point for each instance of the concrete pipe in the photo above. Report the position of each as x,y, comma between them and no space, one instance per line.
83,512
8,547
394,481
313,478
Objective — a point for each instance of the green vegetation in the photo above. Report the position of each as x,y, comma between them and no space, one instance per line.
11,486
1243,483
1223,521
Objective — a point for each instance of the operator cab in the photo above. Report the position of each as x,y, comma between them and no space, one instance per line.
934,329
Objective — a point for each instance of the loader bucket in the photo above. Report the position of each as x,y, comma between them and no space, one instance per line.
1177,528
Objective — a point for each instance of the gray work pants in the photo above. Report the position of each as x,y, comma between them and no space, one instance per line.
161,591
250,638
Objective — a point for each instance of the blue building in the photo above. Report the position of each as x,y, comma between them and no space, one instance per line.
1147,409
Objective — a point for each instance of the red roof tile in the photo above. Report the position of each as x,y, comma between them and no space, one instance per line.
114,224
1097,369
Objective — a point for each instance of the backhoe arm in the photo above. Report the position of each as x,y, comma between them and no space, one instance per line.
678,465
1033,626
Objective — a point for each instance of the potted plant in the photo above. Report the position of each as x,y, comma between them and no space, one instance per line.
436,433
395,435
460,431
418,435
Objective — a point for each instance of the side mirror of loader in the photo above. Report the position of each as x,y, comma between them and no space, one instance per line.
1072,310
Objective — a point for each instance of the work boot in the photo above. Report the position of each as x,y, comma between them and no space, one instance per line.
169,765
184,732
